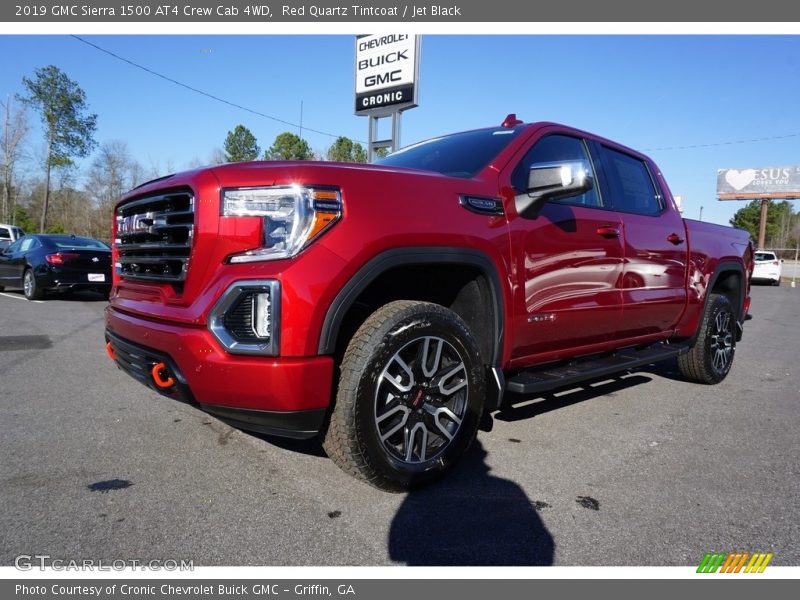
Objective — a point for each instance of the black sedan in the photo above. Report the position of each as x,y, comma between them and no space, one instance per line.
39,263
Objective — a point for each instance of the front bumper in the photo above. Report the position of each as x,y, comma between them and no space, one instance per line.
280,396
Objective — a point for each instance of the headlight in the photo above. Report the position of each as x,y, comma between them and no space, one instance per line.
293,216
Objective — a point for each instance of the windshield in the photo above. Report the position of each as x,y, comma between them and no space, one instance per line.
457,155
765,256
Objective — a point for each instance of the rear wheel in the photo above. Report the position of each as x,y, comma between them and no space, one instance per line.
29,287
711,357
410,396
777,281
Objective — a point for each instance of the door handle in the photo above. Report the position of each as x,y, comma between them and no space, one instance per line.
608,231
674,238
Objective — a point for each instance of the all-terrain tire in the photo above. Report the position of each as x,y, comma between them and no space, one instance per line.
410,396
709,360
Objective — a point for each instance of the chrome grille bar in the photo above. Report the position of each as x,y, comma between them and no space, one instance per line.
154,237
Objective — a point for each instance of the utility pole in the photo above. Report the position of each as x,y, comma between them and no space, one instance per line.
301,119
6,194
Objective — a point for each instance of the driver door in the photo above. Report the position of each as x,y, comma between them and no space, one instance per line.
569,260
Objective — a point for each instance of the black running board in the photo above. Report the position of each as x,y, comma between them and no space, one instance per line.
543,379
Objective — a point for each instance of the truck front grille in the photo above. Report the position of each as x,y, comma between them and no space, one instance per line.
154,237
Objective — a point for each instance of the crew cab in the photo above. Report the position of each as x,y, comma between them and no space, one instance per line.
387,308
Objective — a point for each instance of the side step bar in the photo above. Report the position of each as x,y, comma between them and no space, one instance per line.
543,379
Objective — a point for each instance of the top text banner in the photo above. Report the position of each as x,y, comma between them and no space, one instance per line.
497,11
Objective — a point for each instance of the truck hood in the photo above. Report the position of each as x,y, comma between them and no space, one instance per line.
272,172
265,173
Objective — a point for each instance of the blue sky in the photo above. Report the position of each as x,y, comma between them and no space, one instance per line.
649,92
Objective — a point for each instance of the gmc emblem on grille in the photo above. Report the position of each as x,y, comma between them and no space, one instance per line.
134,223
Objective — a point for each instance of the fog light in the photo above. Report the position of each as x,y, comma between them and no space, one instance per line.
262,315
246,319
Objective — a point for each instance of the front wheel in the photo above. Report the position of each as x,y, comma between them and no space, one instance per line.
711,357
410,396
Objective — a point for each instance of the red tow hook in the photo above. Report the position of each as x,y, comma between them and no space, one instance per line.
161,376
110,351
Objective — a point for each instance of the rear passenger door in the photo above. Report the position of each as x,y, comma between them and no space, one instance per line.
655,254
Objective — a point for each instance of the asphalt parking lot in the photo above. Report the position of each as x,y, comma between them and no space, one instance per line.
643,469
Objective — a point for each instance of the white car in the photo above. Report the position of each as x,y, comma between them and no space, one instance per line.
767,267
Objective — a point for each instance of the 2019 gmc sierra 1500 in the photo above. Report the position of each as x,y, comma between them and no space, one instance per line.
387,307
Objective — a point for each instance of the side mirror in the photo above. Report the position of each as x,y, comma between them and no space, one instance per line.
554,181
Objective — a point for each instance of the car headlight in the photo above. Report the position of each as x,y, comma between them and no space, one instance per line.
293,216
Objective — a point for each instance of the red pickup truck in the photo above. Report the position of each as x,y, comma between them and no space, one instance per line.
388,307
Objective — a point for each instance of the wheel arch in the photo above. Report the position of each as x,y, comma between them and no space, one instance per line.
424,260
730,279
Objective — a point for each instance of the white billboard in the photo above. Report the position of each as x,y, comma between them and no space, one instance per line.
387,72
775,182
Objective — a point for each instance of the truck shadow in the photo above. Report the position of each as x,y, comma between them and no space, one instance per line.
667,369
309,447
470,518
517,407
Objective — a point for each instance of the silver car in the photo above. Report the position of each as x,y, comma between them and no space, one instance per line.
9,234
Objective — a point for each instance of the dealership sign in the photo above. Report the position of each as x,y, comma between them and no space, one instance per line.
387,73
776,182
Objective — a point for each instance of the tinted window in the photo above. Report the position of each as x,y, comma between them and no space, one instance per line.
765,256
557,149
631,185
5,234
457,155
15,246
76,242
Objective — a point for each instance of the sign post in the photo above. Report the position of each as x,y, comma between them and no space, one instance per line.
386,82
